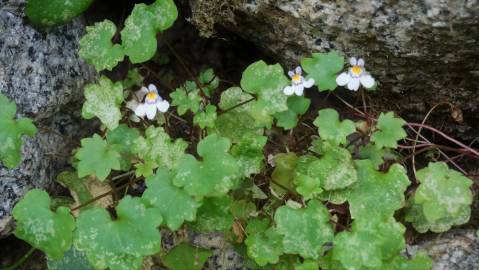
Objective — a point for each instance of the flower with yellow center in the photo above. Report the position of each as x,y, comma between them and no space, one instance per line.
356,76
149,102
298,83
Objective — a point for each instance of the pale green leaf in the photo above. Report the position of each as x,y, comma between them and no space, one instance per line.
186,100
119,244
172,203
11,132
389,132
305,230
377,194
249,153
283,174
443,199
103,100
369,244
206,118
73,260
97,158
323,67
158,149
214,175
331,129
267,83
97,49
264,244
49,231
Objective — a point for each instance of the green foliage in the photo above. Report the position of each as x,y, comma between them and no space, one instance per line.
121,243
172,203
76,186
369,244
134,78
123,139
235,123
306,178
186,99
214,215
209,81
158,149
206,118
331,129
249,153
97,157
214,175
266,82
283,173
49,231
186,257
377,194
297,106
264,244
73,260
442,200
103,100
139,35
11,132
389,131
54,12
97,49
314,231
323,67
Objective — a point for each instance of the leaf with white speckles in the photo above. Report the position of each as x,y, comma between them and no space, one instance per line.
305,230
443,199
173,203
267,83
377,194
264,244
206,118
11,132
103,100
249,153
335,168
73,260
119,244
49,231
369,244
236,122
158,149
97,48
214,175
214,215
54,12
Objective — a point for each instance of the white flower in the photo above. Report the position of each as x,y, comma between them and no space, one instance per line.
149,103
298,83
356,75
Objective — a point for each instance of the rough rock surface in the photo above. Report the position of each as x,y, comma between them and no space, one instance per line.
423,52
41,72
455,250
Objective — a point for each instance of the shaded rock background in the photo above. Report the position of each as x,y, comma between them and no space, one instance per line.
422,52
42,74
457,249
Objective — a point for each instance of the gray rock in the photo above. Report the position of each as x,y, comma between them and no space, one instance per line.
455,250
41,72
422,52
